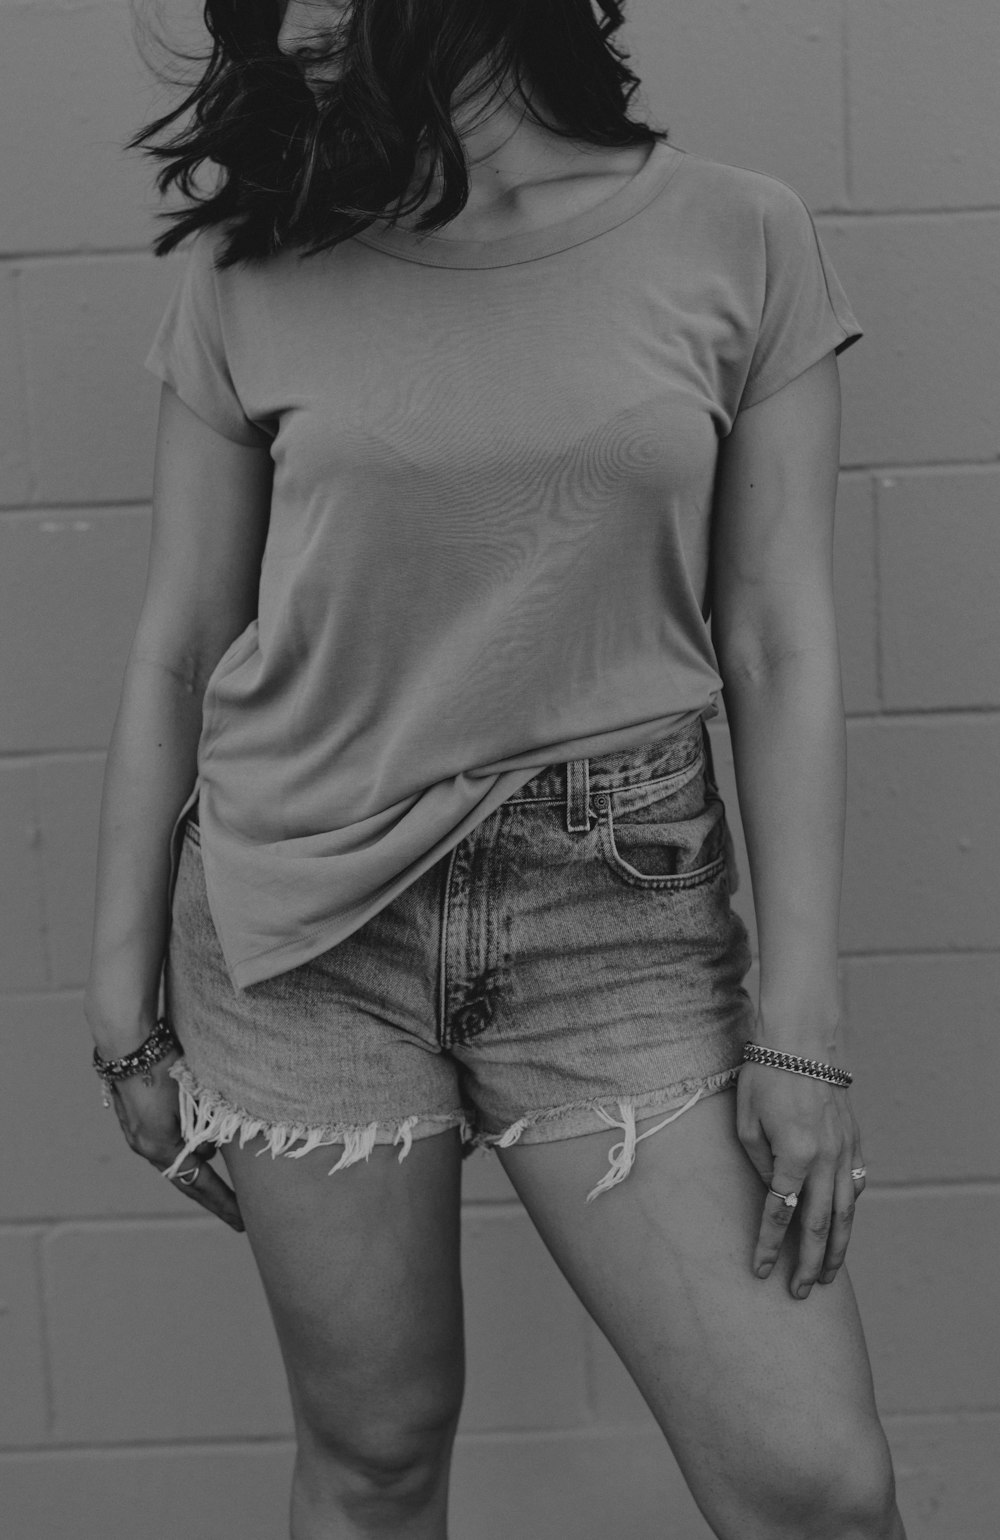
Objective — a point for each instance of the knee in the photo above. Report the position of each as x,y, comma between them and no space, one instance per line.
381,1474
392,1451
863,1506
846,1491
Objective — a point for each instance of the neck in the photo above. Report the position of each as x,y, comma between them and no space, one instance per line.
505,149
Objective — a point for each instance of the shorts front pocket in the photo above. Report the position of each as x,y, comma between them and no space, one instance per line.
678,841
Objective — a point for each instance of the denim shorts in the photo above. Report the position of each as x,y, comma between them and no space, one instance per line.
571,965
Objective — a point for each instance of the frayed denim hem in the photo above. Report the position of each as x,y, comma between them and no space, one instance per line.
621,1156
208,1118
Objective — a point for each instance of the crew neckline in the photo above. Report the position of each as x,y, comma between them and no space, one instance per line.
633,196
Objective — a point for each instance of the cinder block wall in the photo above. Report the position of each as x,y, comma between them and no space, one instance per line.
143,1393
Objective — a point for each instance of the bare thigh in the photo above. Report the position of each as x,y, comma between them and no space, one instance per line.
362,1274
760,1395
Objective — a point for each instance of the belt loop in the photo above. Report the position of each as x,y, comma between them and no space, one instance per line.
710,763
578,796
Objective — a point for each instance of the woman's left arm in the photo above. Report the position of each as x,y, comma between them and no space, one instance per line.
775,636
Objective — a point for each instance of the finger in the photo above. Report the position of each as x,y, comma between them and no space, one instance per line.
759,1151
845,1197
775,1218
207,1188
815,1223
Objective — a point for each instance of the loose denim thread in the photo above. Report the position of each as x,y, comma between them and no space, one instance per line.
622,1154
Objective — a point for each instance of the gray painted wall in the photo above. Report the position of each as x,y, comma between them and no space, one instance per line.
140,1375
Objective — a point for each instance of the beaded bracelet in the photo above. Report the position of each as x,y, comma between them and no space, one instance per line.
157,1045
753,1053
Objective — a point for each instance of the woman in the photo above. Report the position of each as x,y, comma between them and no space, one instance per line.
480,401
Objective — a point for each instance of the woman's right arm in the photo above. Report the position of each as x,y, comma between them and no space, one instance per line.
211,501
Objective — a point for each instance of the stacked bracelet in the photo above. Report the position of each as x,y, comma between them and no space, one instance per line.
754,1054
156,1047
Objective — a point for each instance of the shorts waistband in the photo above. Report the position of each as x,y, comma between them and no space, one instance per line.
623,770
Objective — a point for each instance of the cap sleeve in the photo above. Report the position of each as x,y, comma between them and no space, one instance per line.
805,313
189,349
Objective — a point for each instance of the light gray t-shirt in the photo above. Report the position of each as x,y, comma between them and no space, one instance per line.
489,530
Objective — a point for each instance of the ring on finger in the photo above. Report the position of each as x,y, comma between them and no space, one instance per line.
789,1199
859,1173
188,1178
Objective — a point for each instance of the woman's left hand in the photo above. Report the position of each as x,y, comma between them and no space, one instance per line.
802,1137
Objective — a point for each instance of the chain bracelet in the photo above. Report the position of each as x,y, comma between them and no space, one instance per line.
753,1053
139,1062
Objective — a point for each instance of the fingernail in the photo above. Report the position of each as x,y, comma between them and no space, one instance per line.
802,1290
827,1277
764,1269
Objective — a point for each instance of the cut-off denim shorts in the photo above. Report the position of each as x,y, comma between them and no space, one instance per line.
571,965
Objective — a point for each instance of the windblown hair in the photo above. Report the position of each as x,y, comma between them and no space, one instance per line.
298,171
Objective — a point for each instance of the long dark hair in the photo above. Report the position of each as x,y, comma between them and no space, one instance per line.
305,172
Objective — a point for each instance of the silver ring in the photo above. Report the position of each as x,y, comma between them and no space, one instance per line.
858,1173
789,1199
192,1176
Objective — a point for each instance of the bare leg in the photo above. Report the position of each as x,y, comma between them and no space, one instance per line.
361,1272
766,1400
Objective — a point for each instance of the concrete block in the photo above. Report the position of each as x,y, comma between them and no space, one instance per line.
574,1486
14,472
160,1331
71,586
23,949
856,593
73,88
924,103
921,1040
23,1405
72,1159
524,1327
756,86
939,568
69,805
923,1265
922,859
484,1180
208,1493
89,323
924,288
947,1475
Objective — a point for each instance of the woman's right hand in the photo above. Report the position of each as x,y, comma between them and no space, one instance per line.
150,1120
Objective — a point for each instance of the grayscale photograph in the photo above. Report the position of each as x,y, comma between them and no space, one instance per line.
499,769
